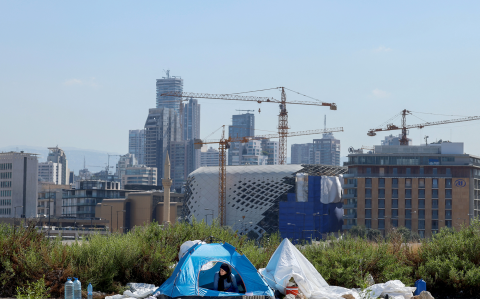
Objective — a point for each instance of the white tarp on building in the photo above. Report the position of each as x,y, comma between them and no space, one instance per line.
331,189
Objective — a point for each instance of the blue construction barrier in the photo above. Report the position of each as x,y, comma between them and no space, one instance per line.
314,218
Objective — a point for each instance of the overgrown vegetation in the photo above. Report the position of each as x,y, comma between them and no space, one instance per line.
449,262
33,290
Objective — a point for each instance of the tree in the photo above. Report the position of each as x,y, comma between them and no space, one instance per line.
358,231
374,234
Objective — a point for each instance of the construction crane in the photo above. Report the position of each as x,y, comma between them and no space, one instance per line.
404,127
224,144
282,116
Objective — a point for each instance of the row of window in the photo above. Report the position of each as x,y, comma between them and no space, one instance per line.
5,211
5,166
421,171
5,193
408,214
408,183
5,202
6,184
408,193
408,203
408,224
5,175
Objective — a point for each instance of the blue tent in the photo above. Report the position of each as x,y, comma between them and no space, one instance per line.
188,278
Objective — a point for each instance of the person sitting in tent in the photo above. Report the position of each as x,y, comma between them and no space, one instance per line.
225,280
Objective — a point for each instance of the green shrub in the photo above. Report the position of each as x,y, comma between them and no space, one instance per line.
346,261
451,260
33,290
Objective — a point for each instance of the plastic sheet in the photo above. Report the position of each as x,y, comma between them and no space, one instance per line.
331,189
394,288
137,290
287,262
186,246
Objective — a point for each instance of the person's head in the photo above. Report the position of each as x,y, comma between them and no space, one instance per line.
224,270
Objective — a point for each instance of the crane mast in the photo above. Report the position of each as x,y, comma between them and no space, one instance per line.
283,130
222,190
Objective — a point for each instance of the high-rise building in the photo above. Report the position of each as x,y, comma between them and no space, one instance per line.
57,155
210,158
270,149
81,201
191,120
302,154
326,151
136,145
125,161
161,128
243,125
183,160
252,153
18,184
50,172
169,84
139,175
423,188
191,131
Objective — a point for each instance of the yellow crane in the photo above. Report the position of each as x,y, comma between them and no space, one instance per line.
282,116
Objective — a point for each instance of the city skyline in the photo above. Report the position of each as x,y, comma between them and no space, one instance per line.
371,59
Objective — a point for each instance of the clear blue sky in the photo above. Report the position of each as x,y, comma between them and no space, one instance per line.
82,73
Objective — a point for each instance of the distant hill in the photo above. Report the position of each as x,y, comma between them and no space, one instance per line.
74,156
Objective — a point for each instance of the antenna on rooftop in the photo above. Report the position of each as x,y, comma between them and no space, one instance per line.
325,123
168,73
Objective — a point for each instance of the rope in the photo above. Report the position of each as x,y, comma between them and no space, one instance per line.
302,94
439,114
253,90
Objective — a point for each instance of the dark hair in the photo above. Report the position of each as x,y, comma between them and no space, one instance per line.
226,268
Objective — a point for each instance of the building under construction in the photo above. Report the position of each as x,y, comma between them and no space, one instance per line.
257,197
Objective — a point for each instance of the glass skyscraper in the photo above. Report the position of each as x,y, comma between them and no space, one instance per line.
169,84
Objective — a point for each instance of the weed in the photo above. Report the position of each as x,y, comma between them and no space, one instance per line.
33,290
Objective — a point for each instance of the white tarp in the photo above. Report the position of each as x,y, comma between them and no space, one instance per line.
137,290
287,262
394,288
302,187
186,246
331,189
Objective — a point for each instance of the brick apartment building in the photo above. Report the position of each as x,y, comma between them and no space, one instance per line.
423,188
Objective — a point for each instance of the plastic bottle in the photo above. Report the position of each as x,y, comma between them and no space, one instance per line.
69,289
421,285
77,289
90,291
